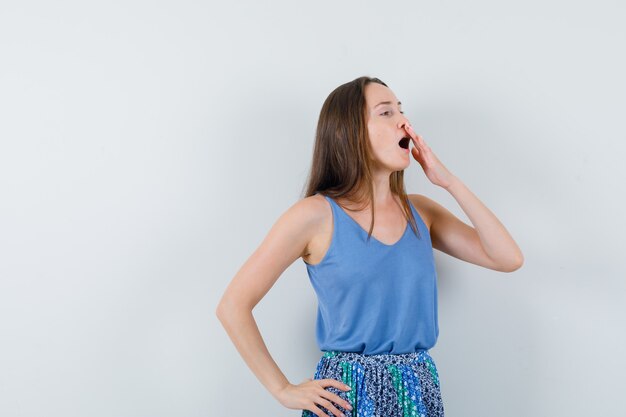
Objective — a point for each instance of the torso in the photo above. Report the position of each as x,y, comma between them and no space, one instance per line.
389,226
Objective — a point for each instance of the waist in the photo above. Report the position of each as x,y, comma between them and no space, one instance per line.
378,358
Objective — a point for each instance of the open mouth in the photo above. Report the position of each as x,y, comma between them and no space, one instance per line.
404,142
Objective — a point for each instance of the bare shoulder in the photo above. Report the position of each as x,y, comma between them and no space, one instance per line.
424,206
308,218
313,210
285,242
320,227
307,213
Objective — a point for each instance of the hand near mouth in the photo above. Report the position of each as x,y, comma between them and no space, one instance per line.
435,171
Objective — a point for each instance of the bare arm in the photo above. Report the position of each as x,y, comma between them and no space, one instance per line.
244,332
286,241
487,244
499,249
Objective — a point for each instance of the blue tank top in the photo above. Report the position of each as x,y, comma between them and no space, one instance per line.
372,297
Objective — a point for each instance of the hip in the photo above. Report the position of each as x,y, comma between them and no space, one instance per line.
383,384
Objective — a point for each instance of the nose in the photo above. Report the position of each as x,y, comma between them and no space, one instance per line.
403,123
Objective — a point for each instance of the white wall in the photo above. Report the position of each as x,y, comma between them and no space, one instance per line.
147,148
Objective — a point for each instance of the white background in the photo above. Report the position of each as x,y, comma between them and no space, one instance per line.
148,147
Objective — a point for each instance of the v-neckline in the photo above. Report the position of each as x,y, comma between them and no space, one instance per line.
406,228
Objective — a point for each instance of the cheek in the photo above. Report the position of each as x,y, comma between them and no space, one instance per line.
380,141
376,142
376,136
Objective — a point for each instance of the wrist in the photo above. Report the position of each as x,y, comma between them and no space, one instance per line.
454,184
279,389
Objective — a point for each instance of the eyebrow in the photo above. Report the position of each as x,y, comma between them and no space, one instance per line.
386,102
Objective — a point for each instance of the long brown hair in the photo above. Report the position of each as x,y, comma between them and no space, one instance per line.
341,165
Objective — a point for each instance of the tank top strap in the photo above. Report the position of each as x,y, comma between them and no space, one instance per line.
336,209
342,222
345,229
333,205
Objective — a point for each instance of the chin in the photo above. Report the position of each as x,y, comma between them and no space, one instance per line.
402,168
398,167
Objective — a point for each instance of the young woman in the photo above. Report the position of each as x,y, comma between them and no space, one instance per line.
367,247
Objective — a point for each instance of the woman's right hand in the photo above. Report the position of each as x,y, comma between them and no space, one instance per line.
310,393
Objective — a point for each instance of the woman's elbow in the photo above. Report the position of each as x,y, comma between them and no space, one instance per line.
228,307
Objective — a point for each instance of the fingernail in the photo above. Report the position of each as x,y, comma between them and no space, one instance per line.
349,407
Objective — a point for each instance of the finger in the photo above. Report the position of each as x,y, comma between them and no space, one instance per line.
423,142
315,410
415,152
407,128
420,142
414,136
338,400
410,131
422,147
415,149
334,397
329,406
334,383
416,143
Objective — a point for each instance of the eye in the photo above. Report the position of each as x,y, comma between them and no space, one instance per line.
385,112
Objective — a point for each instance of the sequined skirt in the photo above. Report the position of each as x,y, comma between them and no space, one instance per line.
383,385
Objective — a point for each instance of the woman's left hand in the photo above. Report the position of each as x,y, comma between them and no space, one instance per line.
436,172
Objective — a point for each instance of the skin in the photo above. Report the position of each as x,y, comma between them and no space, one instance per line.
305,229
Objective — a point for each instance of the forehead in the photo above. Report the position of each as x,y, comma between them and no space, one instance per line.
375,93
